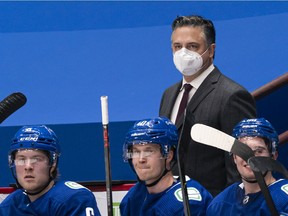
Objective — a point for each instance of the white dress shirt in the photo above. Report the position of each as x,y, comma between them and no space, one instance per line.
195,83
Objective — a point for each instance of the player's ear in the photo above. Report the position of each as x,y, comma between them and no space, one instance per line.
53,171
170,155
275,156
234,158
169,159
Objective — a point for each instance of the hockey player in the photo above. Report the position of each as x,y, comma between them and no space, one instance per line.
33,159
150,148
246,198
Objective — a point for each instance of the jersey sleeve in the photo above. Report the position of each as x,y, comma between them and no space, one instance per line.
72,199
82,203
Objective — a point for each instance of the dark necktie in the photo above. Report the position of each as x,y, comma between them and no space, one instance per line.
184,101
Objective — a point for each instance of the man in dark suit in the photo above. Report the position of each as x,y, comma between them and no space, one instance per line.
214,100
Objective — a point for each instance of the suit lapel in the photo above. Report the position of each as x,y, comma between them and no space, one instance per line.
205,88
174,91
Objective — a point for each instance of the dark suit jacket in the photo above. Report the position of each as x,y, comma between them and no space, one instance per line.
220,103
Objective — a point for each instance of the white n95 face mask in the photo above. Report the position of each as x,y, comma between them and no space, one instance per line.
187,62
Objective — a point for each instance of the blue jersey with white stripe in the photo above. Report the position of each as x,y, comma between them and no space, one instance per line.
233,201
167,203
63,199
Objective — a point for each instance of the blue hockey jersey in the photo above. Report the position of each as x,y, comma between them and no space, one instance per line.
65,198
167,203
233,201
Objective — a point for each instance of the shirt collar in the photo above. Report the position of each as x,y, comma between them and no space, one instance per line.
198,80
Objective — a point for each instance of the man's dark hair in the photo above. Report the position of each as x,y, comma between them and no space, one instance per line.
194,21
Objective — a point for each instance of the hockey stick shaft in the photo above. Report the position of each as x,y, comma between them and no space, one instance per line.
105,122
181,152
10,104
184,190
265,191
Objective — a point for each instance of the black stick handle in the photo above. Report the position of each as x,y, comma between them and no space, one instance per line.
10,104
181,151
105,122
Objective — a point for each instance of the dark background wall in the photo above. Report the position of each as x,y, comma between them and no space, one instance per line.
64,55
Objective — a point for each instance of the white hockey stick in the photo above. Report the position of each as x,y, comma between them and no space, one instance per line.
105,122
215,138
210,136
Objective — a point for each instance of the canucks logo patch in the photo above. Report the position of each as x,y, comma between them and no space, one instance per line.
193,194
73,185
285,188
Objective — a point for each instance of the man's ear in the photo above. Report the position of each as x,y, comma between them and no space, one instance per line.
53,168
234,158
212,50
170,155
275,156
169,159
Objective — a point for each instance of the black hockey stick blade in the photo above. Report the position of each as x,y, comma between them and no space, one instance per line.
264,164
212,137
10,104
